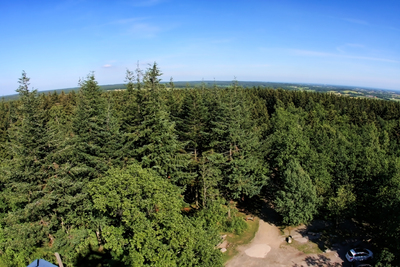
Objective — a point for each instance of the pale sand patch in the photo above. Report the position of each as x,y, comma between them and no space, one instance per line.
223,244
301,239
258,251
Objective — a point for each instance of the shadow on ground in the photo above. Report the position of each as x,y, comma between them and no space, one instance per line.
328,237
251,206
320,261
262,208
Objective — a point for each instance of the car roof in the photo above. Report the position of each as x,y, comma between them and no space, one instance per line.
360,250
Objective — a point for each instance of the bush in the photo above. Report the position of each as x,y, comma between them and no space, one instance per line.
236,225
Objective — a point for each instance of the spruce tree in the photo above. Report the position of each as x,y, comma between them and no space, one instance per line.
192,127
94,128
157,145
210,176
26,199
236,136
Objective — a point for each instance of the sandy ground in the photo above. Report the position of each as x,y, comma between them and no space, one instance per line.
266,250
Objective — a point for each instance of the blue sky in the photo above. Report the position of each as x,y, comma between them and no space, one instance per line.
323,41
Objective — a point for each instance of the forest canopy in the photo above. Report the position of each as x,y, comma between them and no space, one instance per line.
145,176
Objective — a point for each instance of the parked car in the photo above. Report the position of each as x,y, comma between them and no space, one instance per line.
359,254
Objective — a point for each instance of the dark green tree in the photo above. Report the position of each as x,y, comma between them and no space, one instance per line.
210,176
236,136
95,129
157,145
151,78
26,200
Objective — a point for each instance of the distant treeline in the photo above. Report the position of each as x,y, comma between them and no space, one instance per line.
148,176
322,88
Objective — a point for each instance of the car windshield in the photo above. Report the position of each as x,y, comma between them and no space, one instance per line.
350,253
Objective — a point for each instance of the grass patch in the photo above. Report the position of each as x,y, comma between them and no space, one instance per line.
352,92
242,239
307,248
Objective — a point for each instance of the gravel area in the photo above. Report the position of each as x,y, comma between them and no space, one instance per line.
266,250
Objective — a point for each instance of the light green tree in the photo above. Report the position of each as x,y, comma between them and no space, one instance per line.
342,204
144,224
296,201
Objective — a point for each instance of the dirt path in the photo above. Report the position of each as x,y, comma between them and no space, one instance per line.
268,249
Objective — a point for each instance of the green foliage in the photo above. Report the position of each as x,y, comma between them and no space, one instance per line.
129,78
209,176
236,136
102,177
215,215
156,144
288,140
343,204
91,128
25,198
236,225
147,226
222,217
151,78
296,201
384,258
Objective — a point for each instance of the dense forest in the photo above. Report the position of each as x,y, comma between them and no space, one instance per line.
349,91
149,176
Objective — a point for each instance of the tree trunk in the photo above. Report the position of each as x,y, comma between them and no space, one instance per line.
204,193
197,197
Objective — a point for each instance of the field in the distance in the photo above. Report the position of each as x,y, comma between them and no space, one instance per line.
347,91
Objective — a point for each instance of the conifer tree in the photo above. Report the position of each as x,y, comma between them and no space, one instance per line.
130,115
129,78
192,127
85,154
4,126
235,136
26,199
94,128
152,79
157,146
193,122
210,176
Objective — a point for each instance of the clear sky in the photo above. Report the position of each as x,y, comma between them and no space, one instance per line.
342,42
